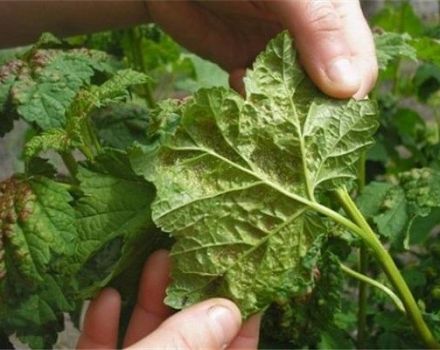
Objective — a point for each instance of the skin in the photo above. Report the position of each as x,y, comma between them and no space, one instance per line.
212,324
333,39
336,49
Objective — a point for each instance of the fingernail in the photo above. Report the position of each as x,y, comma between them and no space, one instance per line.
224,323
342,71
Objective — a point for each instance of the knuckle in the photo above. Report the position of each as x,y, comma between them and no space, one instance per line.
322,17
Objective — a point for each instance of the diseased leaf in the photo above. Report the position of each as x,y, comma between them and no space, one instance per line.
237,180
48,84
78,114
8,76
37,235
422,189
41,84
301,320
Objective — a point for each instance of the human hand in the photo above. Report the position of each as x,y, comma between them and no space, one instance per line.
212,324
332,36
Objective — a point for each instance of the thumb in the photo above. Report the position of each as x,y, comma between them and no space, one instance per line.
321,38
212,324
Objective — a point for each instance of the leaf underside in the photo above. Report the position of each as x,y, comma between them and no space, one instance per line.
237,179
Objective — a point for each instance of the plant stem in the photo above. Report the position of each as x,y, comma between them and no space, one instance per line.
139,63
367,280
70,163
362,298
412,310
363,268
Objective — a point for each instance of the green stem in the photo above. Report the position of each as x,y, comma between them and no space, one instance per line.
139,63
70,163
367,280
363,268
362,298
412,310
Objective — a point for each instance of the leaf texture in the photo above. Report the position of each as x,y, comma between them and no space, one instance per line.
37,235
391,46
41,84
237,179
86,101
113,220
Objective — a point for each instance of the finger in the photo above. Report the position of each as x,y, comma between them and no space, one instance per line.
212,324
360,40
236,80
101,322
249,334
230,38
323,48
150,311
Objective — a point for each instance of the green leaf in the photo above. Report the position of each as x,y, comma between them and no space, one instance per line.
40,166
399,17
394,214
396,208
236,182
207,75
391,46
121,125
8,76
37,226
428,49
55,139
300,321
385,204
113,219
76,134
371,199
48,84
41,84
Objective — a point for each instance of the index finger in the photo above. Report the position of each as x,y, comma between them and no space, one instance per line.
150,311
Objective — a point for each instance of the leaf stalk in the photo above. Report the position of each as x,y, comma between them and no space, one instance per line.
363,267
374,283
412,310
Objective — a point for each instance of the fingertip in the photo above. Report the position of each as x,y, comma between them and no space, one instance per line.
249,335
341,78
235,311
211,324
370,72
236,80
100,328
159,255
157,264
225,320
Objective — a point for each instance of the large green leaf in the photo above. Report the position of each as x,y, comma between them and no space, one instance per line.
237,179
113,219
37,235
395,208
